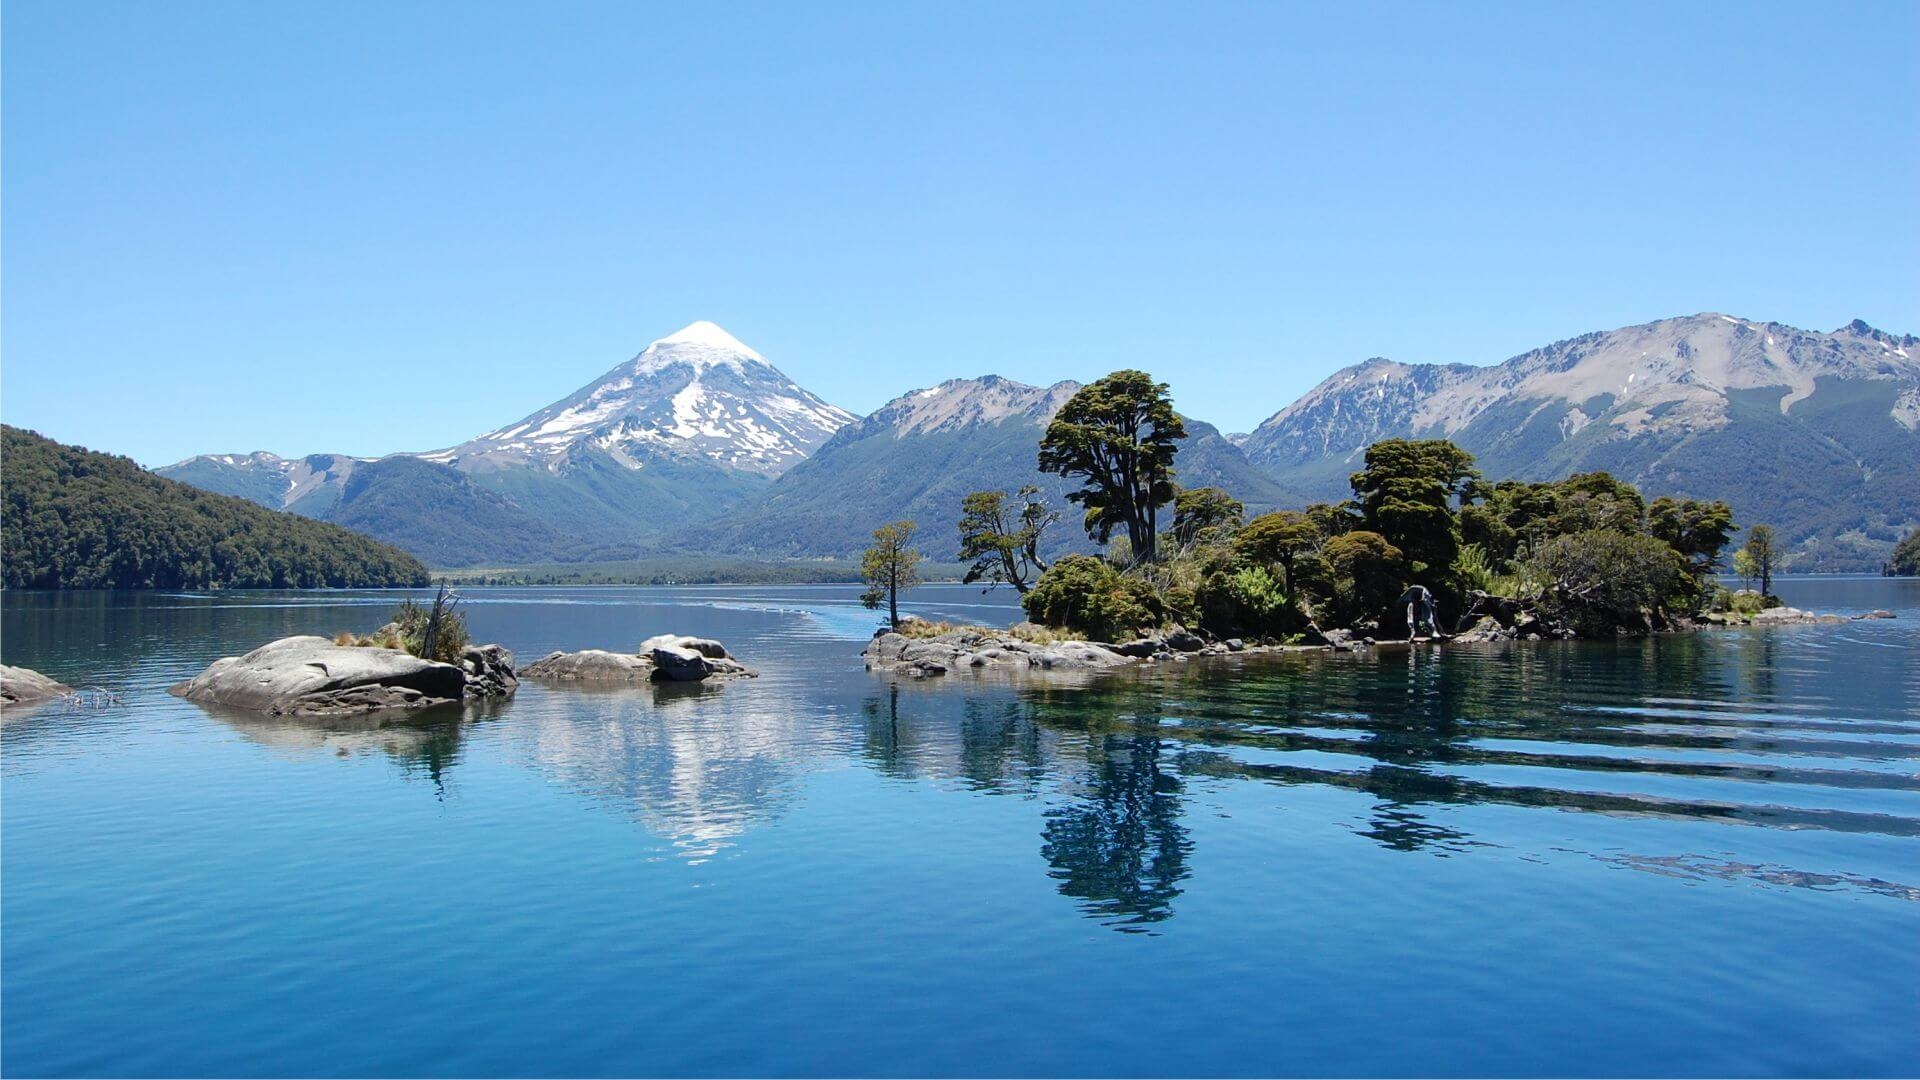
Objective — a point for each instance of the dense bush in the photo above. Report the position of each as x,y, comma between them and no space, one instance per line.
74,519
1602,581
1088,595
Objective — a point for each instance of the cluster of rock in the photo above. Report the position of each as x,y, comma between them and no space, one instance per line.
979,648
663,658
312,676
1787,616
25,686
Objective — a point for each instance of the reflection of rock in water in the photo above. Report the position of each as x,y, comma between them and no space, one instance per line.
698,766
425,742
1120,848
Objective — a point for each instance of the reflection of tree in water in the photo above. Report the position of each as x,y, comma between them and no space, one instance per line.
988,739
1120,848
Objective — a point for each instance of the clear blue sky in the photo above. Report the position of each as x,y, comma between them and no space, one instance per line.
370,227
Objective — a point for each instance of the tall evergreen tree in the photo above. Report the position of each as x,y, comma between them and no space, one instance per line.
1119,436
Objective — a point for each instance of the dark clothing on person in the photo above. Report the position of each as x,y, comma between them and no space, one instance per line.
1420,610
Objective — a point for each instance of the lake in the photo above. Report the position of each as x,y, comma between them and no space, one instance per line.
1692,855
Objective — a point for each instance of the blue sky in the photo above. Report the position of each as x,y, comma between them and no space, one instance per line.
373,227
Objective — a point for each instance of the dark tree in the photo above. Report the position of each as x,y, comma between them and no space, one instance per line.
1118,435
1196,510
1002,543
1699,530
1407,494
1766,558
889,567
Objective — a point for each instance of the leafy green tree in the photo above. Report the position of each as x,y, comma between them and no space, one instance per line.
890,566
1118,435
1698,530
1284,538
1407,493
1766,557
1202,510
1603,581
1368,572
1086,594
1003,545
1590,502
1744,568
1905,561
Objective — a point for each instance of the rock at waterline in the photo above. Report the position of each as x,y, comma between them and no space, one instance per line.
311,676
983,649
662,658
590,665
24,686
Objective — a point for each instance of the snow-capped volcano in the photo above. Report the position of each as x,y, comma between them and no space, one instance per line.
696,393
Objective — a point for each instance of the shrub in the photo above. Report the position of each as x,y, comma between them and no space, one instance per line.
1602,581
414,622
1088,595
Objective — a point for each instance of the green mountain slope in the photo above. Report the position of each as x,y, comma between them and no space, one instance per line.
72,518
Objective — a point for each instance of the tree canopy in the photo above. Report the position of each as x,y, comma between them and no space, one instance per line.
1001,542
890,566
1119,435
1407,495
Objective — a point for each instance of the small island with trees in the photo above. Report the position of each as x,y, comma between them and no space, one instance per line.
1583,557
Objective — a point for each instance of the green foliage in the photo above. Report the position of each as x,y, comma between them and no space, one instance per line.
1088,595
1407,493
74,519
1001,545
1905,561
890,567
1204,510
1760,548
435,632
1602,582
1118,435
1368,573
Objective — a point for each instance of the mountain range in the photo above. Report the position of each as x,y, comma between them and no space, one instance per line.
699,445
1813,433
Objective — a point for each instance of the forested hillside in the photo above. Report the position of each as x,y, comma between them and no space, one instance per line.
72,518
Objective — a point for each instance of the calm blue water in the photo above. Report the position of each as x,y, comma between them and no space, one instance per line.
1693,855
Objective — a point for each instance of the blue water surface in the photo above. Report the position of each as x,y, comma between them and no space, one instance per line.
1692,855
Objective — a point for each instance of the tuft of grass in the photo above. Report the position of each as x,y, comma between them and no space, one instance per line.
927,628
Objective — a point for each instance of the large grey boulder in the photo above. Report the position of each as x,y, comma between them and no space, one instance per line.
311,676
590,665
24,686
489,671
675,664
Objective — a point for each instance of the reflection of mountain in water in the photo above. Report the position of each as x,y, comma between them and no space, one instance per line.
694,764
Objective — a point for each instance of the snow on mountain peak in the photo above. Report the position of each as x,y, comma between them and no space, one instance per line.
696,393
701,343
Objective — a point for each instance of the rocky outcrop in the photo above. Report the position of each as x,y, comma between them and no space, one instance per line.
982,649
662,658
312,676
24,686
590,665
489,671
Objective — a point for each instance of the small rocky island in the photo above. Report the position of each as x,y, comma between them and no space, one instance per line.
662,658
312,676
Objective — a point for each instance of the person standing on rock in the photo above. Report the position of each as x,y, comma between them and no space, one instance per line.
1420,611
